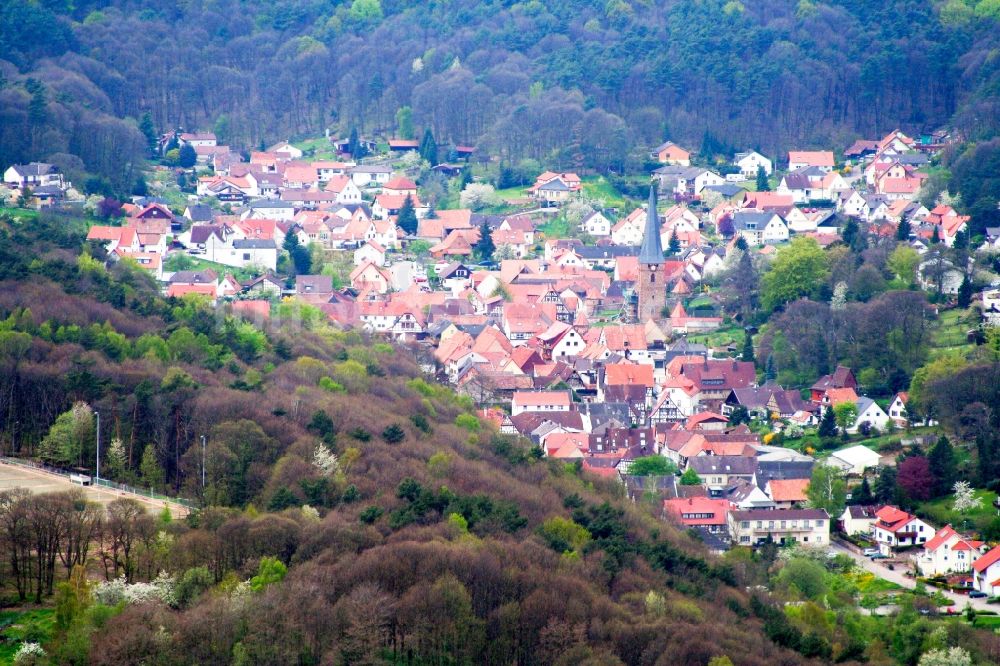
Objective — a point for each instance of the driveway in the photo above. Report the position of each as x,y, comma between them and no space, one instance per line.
880,570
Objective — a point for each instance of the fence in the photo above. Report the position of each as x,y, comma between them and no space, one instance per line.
105,483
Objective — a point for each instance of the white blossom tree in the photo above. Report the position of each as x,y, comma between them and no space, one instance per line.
477,196
325,460
115,459
955,656
965,497
839,300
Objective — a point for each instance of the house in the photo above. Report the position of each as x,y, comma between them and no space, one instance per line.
858,519
854,459
840,378
370,252
986,572
629,230
33,175
250,252
370,175
895,529
369,277
897,409
757,526
870,415
759,227
286,148
948,552
266,286
195,139
822,159
709,513
596,224
669,152
787,493
718,472
686,181
750,162
313,284
344,187
540,401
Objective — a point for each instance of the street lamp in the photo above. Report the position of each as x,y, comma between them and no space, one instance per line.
203,461
98,415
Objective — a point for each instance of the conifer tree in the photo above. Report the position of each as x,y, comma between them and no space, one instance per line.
828,424
763,185
428,147
484,246
407,218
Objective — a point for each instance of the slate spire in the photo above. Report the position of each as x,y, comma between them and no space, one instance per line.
651,251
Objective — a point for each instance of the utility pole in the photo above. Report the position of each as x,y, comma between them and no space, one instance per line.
203,462
98,415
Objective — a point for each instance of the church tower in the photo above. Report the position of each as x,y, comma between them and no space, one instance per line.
652,287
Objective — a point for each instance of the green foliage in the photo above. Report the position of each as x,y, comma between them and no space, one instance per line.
407,218
562,534
797,271
652,466
370,514
690,477
192,584
71,437
827,489
393,434
186,156
270,571
468,422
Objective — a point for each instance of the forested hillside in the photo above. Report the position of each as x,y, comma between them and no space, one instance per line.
428,537
569,81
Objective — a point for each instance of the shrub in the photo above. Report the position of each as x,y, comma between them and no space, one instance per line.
468,422
370,514
394,434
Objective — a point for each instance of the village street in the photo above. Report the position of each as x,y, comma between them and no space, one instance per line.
897,576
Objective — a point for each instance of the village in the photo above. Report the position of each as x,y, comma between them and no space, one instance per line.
597,343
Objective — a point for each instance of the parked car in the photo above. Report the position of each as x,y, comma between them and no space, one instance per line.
879,556
868,552
976,594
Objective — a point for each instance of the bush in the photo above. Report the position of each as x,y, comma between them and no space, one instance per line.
394,434
468,422
370,514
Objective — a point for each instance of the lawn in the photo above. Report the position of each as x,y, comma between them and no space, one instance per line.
987,621
940,512
950,332
318,149
557,227
730,335
186,262
19,213
17,627
599,188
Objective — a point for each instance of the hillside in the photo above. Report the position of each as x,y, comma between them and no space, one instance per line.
570,83
423,511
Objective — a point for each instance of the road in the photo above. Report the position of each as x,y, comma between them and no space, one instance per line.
880,570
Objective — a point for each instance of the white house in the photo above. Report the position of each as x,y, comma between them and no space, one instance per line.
759,227
35,174
750,162
895,528
869,412
596,224
897,409
252,252
986,572
948,552
370,176
858,519
370,252
805,526
540,401
854,459
270,210
629,230
287,149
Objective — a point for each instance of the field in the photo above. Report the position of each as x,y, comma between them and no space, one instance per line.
950,334
16,627
941,512
185,262
38,481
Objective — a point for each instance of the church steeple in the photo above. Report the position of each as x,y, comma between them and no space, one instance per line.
651,251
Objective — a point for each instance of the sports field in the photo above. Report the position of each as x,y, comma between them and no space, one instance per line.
39,481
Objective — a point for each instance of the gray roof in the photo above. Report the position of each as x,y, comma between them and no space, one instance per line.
725,189
371,169
752,220
200,233
272,203
254,244
34,169
194,277
784,514
912,159
651,251
605,251
200,213
556,185
782,469
723,465
313,284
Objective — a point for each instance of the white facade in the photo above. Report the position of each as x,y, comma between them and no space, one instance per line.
750,162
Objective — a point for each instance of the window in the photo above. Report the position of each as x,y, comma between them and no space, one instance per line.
246,256
744,539
770,524
746,524
819,523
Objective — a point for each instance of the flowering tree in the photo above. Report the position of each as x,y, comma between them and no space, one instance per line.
965,498
325,460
